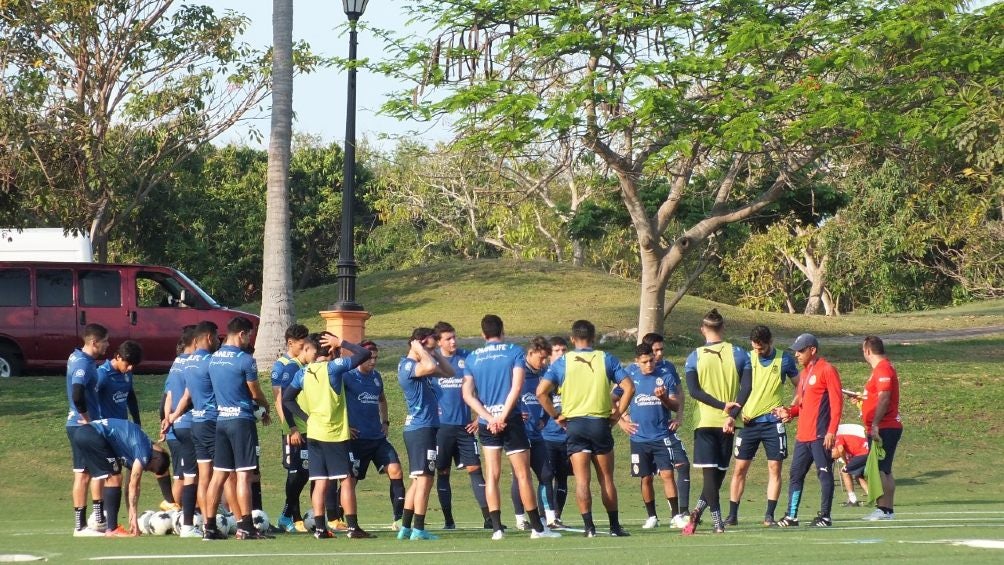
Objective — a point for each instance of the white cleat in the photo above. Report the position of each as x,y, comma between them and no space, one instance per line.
878,514
191,532
497,535
651,523
679,521
545,533
87,533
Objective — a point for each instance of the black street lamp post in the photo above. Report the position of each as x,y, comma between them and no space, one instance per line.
346,265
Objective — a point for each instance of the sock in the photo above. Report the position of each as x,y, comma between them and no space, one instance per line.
294,486
419,522
247,524
406,518
550,516
650,508
189,494
353,521
256,496
79,521
614,518
98,508
445,497
701,506
771,507
496,518
520,518
211,525
885,509
716,519
397,497
478,487
535,522
486,514
683,487
587,519
734,509
332,503
164,482
674,505
852,498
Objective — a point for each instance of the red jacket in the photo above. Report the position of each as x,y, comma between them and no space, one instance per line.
819,401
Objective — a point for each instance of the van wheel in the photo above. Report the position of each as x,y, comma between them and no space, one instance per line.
10,362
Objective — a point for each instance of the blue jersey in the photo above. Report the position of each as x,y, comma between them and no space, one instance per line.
337,368
739,354
789,369
552,431
647,410
81,370
113,392
230,369
420,395
667,366
363,392
491,369
175,384
453,410
530,406
126,439
200,387
284,370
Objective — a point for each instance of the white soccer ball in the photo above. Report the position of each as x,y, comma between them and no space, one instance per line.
260,520
226,524
179,521
259,412
308,520
161,524
144,522
94,524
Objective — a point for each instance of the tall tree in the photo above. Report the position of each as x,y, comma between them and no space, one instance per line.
277,308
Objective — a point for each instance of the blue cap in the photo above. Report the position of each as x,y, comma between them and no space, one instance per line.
803,341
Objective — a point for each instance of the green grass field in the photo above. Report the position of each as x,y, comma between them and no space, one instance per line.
949,494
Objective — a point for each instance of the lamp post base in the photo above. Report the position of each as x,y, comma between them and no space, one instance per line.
346,324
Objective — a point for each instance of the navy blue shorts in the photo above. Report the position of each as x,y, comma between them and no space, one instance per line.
557,458
236,445
772,435
362,452
456,446
856,466
422,452
712,448
183,461
329,459
78,458
890,439
677,452
295,458
513,437
204,440
650,457
589,435
98,458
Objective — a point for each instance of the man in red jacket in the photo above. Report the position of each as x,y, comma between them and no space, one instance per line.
880,415
818,404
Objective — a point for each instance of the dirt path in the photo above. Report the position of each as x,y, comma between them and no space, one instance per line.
923,337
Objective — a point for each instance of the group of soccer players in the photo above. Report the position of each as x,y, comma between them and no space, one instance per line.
550,408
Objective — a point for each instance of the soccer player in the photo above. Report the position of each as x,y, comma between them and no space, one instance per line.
233,375
493,381
294,447
369,421
455,439
771,368
415,373
325,410
117,400
647,426
880,415
681,462
818,403
584,378
556,443
104,443
81,393
851,447
538,355
718,378
177,426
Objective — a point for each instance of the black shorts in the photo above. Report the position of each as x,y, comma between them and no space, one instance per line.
890,439
236,445
650,457
364,451
589,435
772,435
540,463
856,466
204,440
329,459
78,458
458,446
98,458
183,461
557,458
513,437
295,458
422,452
712,448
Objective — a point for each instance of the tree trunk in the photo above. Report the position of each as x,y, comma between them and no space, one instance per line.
277,309
578,253
652,301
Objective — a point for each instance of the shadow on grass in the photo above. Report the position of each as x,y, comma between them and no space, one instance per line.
924,478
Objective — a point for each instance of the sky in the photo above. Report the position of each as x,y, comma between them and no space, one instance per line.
319,97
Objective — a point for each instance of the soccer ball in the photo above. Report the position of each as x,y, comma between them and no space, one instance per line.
226,524
144,522
308,520
259,412
92,523
161,524
260,520
179,520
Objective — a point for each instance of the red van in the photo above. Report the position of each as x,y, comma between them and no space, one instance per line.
45,306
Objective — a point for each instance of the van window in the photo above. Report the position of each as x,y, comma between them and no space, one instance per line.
159,290
15,290
100,288
54,287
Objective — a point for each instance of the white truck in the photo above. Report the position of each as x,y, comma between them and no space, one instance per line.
44,244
